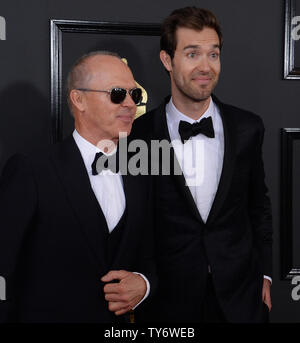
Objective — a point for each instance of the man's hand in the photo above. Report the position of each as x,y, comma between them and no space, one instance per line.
266,293
125,294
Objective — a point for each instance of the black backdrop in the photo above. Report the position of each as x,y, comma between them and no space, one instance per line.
252,78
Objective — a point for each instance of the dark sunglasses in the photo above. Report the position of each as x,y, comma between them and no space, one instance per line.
118,95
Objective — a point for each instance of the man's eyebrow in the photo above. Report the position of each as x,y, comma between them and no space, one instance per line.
215,46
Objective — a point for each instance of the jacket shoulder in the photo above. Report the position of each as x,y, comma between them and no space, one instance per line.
37,160
143,126
242,118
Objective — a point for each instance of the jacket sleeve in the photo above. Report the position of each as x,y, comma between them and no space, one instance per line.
17,207
260,207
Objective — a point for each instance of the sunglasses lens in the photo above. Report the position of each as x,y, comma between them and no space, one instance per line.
136,95
118,95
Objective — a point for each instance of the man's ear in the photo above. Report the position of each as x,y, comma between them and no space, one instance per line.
166,60
77,100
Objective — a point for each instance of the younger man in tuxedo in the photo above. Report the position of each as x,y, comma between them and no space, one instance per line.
214,229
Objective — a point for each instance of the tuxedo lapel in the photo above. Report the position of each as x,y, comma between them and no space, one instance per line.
228,161
161,132
129,192
74,178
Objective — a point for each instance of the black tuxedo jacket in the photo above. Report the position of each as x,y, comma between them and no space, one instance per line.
53,238
236,240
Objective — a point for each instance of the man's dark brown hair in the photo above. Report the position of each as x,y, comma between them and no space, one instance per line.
188,17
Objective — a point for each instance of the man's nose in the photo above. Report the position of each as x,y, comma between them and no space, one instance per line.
128,102
203,64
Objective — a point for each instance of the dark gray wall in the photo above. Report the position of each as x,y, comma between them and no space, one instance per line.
251,78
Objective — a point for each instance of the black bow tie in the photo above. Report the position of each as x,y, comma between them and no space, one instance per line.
187,130
111,163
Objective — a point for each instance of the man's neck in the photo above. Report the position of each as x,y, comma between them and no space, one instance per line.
192,109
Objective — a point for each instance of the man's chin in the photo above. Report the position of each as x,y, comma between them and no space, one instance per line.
124,132
200,97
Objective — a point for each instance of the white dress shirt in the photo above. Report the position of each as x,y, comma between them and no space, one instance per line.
107,187
200,158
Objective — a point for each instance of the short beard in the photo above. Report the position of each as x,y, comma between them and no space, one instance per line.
194,98
193,95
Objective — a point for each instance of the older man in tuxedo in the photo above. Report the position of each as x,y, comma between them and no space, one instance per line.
214,229
76,242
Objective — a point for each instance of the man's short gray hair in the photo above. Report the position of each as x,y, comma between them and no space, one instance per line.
79,75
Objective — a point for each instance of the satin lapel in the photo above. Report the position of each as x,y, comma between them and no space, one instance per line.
135,200
131,195
162,132
228,161
74,178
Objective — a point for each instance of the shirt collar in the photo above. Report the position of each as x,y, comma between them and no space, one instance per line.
87,150
175,116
